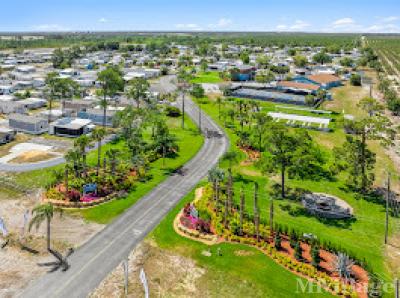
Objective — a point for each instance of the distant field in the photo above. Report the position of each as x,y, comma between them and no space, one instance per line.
388,50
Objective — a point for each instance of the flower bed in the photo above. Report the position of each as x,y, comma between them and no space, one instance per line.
324,275
86,204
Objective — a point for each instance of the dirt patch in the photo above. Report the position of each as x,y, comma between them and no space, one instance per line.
168,275
243,253
252,156
19,267
32,156
19,138
250,172
392,253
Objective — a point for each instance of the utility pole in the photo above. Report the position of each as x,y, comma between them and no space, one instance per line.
387,209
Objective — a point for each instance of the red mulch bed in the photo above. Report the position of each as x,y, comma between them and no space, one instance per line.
327,258
252,155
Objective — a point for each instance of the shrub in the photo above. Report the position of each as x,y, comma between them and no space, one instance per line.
54,194
355,80
298,251
315,256
173,111
278,241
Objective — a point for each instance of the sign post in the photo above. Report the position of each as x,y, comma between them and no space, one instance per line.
143,279
3,228
126,276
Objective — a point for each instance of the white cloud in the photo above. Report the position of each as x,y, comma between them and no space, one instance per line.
103,20
189,27
50,28
298,25
281,27
344,22
390,19
222,23
383,28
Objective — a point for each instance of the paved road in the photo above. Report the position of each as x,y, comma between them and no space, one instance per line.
91,263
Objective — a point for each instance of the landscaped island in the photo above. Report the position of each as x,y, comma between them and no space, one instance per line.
212,218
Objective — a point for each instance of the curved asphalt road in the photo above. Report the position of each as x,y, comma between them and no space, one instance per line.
91,263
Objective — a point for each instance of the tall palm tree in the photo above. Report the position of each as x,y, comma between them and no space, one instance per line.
138,90
241,210
41,213
230,189
81,143
231,157
261,122
219,102
111,82
112,155
256,212
215,176
139,163
98,135
51,90
57,176
73,157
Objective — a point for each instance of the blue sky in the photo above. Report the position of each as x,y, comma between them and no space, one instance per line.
197,15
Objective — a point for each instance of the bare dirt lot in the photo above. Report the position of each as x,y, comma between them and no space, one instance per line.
32,156
168,275
18,266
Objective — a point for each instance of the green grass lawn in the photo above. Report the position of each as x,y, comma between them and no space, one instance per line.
363,237
211,77
241,271
189,142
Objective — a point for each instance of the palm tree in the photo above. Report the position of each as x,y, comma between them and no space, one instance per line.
111,82
66,179
216,175
112,155
40,214
50,91
231,157
261,121
57,176
81,143
73,157
138,90
230,189
241,211
165,142
98,135
139,164
219,102
256,212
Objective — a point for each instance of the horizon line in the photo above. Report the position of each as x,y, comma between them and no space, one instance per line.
188,32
